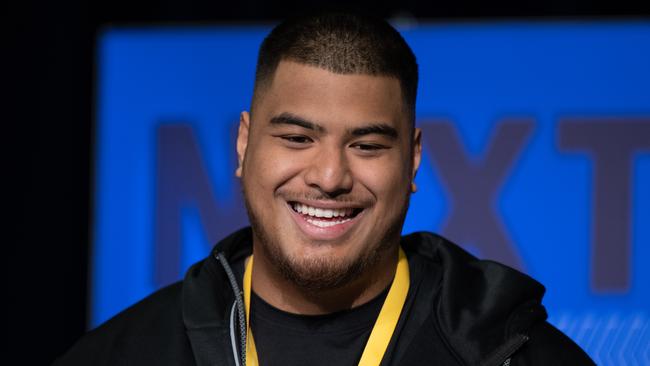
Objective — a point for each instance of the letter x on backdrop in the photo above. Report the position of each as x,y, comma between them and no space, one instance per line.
536,154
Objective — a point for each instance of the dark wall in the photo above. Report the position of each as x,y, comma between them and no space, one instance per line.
49,141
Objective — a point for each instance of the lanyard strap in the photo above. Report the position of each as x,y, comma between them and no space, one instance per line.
381,333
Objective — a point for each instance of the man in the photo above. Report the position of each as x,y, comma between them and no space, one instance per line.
327,161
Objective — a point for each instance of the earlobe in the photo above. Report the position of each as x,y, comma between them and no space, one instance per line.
242,141
417,156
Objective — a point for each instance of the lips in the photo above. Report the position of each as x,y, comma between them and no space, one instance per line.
324,223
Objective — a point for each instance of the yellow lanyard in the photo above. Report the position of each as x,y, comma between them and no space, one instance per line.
381,332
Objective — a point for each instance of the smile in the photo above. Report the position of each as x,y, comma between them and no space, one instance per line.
324,222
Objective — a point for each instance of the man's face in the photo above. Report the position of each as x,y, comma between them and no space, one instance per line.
326,164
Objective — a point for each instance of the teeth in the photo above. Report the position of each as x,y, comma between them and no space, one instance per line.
320,223
322,212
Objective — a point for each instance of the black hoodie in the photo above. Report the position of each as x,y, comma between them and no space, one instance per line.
460,311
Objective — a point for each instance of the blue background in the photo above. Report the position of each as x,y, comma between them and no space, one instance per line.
472,75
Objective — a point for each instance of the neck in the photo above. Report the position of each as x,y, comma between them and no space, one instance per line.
285,295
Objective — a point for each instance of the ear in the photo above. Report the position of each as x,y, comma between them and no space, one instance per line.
417,152
242,141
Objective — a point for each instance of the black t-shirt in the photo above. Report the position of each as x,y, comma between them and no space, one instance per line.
339,339
289,339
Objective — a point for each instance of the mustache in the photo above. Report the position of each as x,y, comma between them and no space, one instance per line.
317,195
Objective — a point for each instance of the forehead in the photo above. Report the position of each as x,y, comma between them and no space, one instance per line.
319,94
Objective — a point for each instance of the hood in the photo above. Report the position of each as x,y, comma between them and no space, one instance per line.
208,298
484,309
206,286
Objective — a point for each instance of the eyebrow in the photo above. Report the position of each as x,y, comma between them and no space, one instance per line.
379,128
376,128
290,119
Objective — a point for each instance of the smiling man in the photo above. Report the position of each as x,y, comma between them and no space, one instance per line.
327,160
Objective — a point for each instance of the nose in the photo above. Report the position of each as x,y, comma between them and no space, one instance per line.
329,172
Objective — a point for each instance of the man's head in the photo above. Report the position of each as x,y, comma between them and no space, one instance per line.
328,155
342,44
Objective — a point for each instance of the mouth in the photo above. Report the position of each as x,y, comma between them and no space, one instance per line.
325,217
321,222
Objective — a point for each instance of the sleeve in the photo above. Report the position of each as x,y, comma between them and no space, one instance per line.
549,346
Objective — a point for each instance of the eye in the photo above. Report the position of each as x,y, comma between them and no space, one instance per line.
369,148
296,140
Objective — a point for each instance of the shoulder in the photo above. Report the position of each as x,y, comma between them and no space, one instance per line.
548,346
503,301
147,331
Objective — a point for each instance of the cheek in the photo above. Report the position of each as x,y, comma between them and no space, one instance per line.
268,167
387,180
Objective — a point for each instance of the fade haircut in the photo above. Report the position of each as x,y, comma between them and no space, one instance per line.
342,44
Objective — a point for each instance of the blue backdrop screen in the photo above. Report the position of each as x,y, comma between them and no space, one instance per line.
536,153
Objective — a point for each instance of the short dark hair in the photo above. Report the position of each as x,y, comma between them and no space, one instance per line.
342,44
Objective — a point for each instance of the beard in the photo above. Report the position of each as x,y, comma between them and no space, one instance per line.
314,275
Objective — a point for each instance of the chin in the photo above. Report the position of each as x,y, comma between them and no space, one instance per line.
322,272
